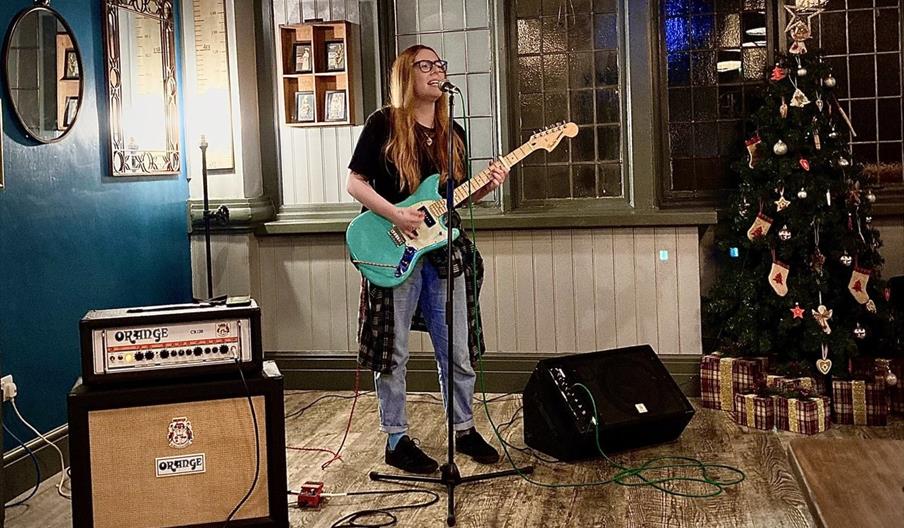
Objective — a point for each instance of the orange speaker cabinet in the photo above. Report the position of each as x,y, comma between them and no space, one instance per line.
178,455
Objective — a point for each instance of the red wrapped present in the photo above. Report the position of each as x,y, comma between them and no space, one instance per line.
785,384
896,391
723,377
754,411
803,415
883,371
860,402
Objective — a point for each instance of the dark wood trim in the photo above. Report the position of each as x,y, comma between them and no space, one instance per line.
504,373
19,471
267,100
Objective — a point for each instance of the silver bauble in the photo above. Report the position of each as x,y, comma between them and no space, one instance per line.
784,234
843,162
891,379
801,72
846,259
802,193
859,332
780,148
833,135
870,197
829,81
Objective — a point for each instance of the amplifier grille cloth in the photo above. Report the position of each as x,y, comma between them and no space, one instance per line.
125,443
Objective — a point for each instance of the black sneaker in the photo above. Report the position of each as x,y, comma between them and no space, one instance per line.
473,445
409,457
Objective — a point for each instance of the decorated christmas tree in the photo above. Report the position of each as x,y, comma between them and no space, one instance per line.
800,258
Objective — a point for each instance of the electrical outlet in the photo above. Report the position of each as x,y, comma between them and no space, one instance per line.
8,387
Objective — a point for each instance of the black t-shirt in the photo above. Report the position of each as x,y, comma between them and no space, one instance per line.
370,161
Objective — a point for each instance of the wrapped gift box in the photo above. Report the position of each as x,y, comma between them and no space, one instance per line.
803,415
878,369
754,411
860,402
723,377
896,391
785,384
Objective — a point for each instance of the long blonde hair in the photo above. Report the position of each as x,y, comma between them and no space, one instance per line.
402,146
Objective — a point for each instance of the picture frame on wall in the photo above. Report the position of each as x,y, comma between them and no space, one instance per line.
335,107
70,111
70,65
335,55
304,57
304,107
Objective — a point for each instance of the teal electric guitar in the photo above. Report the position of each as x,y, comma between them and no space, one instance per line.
385,255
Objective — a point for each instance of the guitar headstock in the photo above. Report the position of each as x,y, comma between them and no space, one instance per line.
550,137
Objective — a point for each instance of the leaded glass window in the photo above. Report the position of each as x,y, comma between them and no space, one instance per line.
862,42
567,67
715,53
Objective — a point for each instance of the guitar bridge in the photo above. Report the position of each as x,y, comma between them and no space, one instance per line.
396,235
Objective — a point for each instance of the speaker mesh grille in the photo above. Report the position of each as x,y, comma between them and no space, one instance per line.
124,444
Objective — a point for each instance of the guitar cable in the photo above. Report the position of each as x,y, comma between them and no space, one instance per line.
626,476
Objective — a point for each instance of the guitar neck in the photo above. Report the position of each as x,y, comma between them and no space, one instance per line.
464,191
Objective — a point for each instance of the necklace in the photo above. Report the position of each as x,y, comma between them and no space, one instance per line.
428,134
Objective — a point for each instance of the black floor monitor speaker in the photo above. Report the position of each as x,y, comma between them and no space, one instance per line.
637,400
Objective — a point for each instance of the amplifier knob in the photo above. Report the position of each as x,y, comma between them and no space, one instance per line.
181,352
164,354
139,356
207,350
224,349
149,355
198,351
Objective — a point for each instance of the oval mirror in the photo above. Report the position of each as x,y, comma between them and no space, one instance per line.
43,73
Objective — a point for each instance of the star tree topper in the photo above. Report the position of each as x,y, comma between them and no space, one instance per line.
798,29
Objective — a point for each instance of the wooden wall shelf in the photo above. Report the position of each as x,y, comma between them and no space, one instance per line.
320,76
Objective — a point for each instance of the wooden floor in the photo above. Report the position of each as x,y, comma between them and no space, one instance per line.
770,496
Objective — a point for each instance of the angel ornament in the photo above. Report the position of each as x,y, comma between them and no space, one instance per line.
822,316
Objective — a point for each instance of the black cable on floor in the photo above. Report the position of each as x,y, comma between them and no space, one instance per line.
34,460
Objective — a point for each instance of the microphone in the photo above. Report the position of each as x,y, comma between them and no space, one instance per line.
447,87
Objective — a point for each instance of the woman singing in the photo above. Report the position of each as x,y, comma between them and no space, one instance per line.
402,144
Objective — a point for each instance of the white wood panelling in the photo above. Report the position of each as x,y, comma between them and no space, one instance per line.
547,291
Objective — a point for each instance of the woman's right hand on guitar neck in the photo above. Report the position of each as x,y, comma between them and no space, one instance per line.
408,219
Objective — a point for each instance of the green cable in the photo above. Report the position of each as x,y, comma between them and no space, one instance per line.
627,476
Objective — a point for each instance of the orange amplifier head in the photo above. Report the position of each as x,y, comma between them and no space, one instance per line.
178,455
169,341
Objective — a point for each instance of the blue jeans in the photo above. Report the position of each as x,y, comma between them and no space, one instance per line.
424,287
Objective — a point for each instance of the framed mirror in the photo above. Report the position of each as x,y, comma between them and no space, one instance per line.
141,85
42,68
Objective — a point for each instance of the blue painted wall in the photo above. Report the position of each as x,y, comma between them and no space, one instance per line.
72,238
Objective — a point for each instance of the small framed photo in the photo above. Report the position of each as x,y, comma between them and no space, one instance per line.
335,107
70,65
70,111
304,107
303,55
335,55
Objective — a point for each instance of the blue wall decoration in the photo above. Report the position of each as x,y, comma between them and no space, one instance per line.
73,238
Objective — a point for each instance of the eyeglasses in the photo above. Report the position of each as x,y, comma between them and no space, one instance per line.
427,66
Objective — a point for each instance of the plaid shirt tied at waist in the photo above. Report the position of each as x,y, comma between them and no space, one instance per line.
376,326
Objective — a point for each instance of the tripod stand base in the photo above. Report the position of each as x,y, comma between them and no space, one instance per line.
450,477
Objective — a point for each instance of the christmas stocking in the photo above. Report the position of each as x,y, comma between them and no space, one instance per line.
760,227
857,286
752,150
778,277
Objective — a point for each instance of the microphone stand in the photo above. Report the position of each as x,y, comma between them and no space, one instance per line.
221,215
449,474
